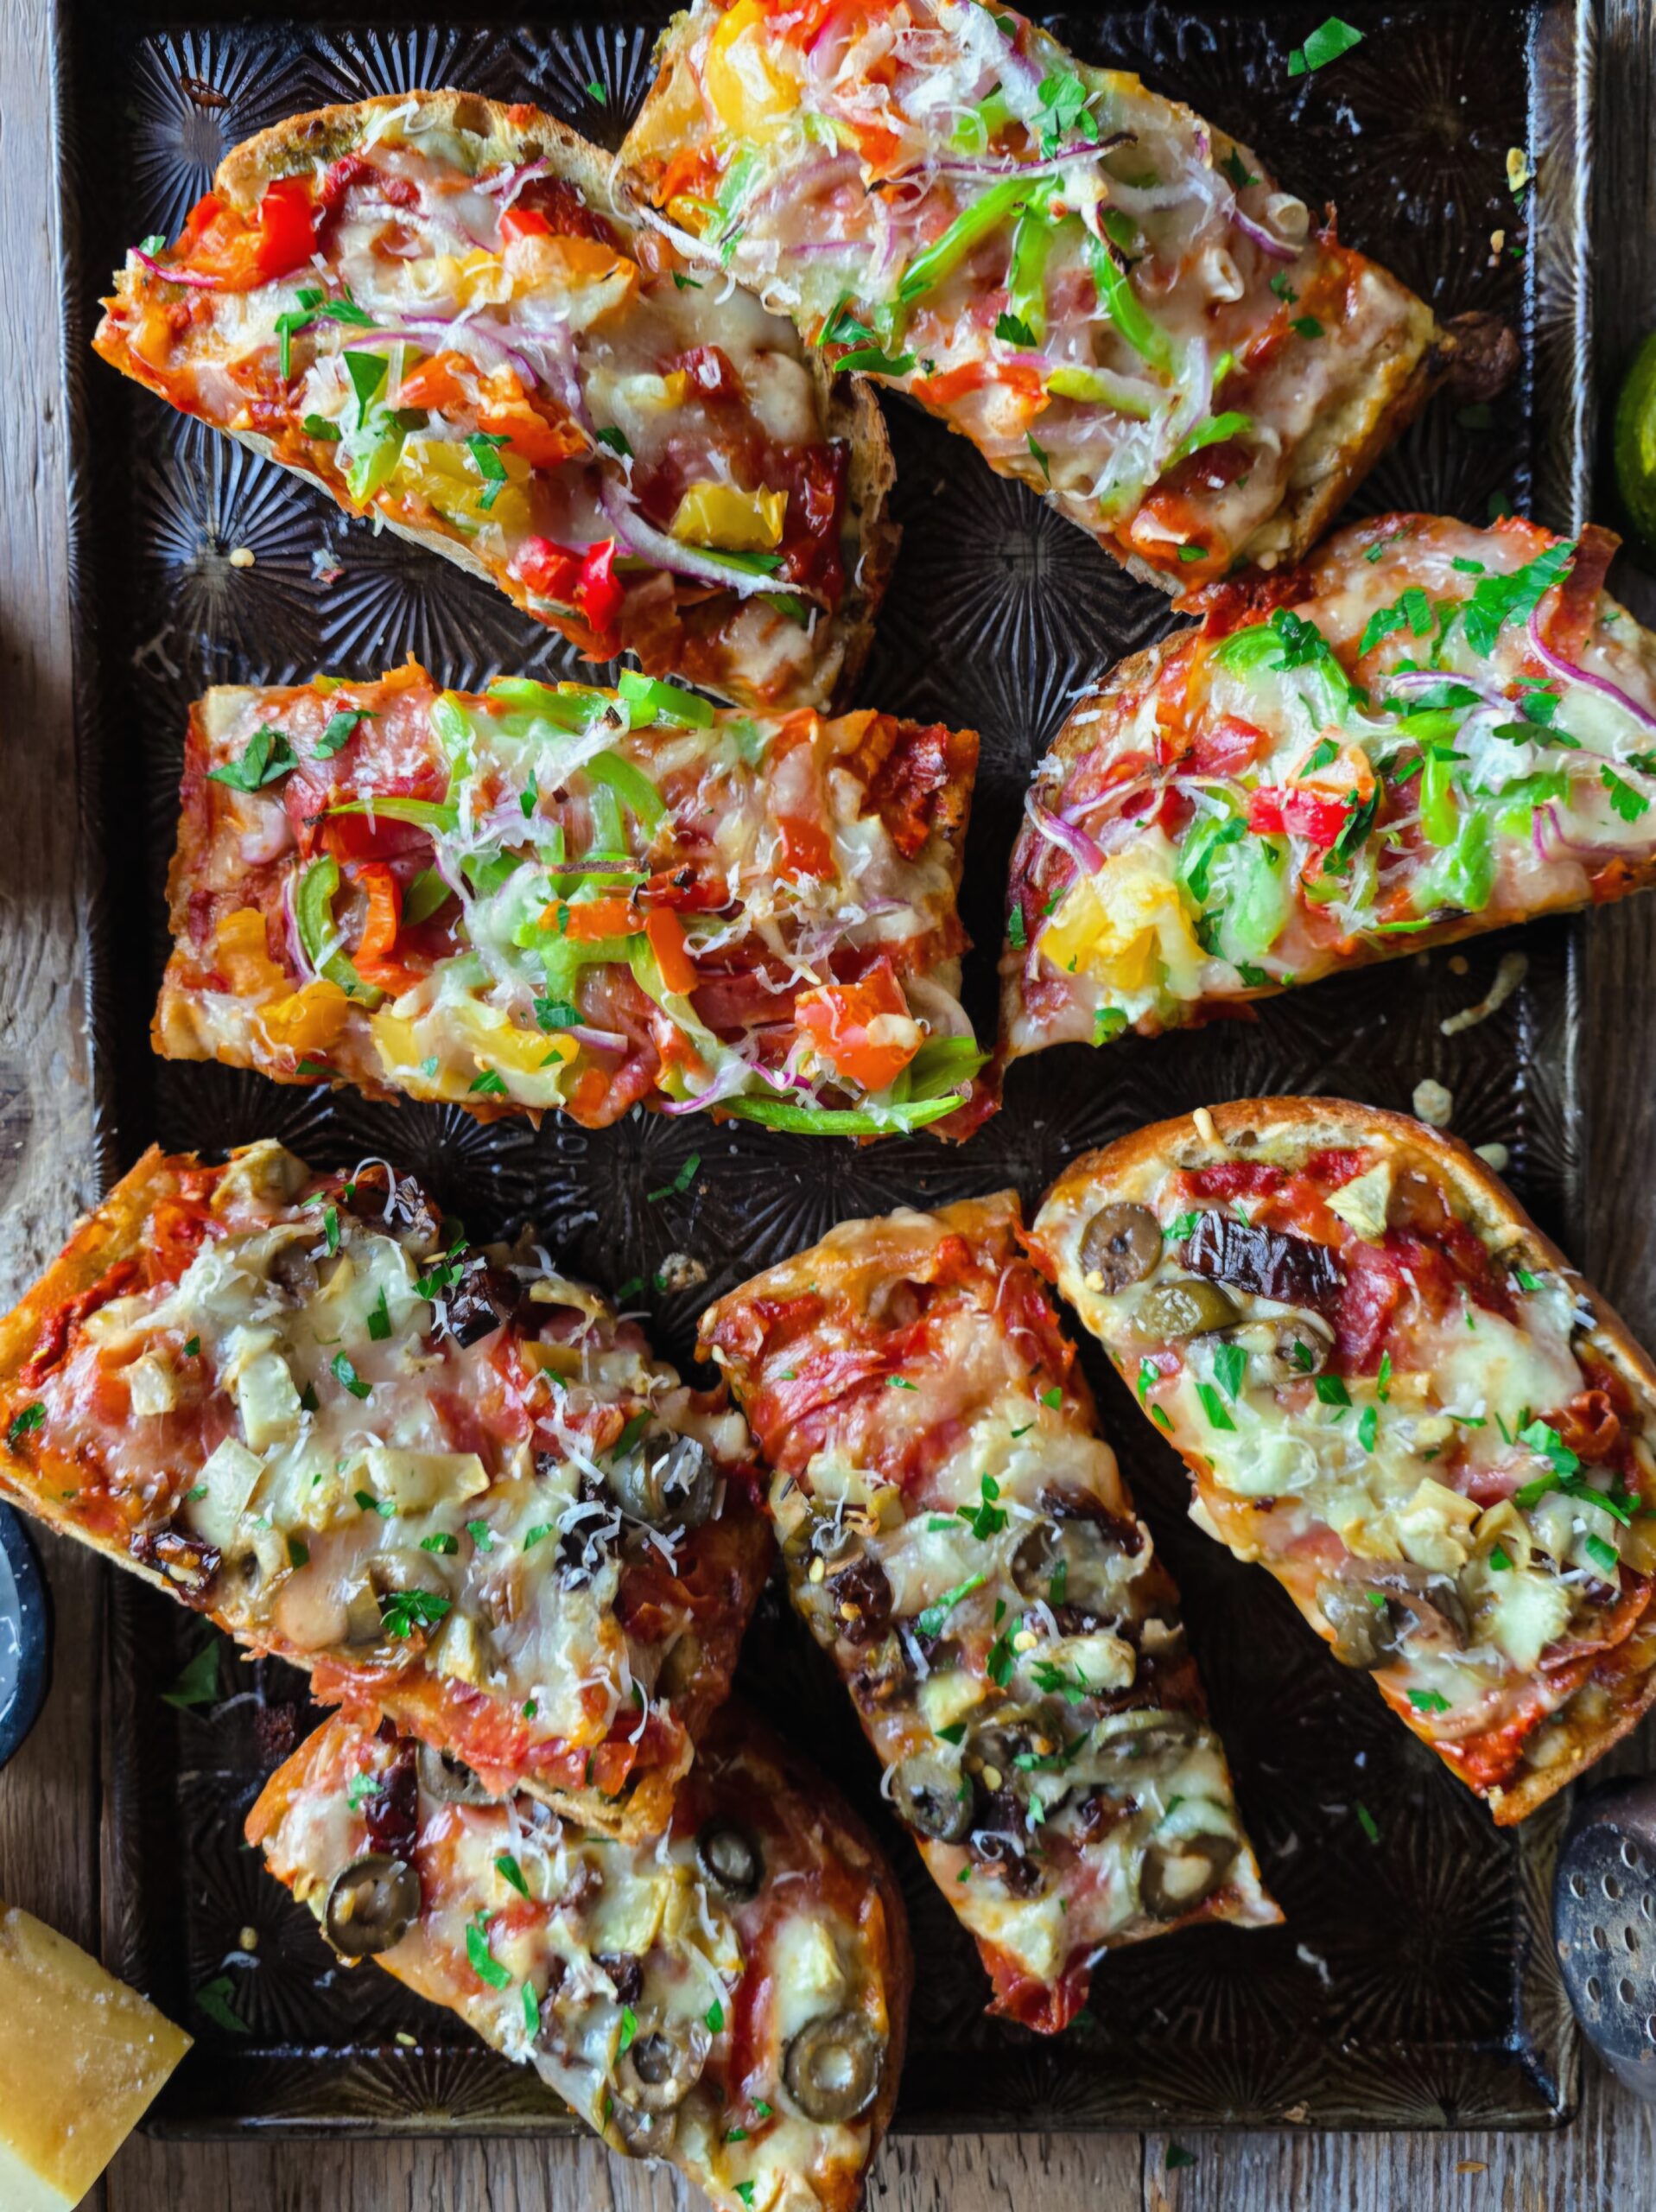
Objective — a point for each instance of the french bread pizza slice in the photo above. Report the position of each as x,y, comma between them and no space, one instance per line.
430,305
958,1537
1425,731
548,897
731,1997
1113,300
1391,1389
453,1485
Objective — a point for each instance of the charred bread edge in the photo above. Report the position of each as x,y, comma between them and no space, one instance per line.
1491,1204
524,134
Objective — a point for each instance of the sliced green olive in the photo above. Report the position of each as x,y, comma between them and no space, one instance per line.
833,2066
671,1486
1373,1619
1178,1875
1078,1551
730,1860
372,1905
932,1798
1121,1244
1185,1309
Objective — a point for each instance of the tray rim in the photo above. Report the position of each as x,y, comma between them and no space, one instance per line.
1559,331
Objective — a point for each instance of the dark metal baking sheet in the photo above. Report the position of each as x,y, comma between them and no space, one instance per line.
1411,1985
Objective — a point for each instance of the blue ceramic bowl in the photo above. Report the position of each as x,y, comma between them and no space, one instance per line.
25,1635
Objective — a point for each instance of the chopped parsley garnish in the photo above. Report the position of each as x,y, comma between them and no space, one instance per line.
1413,609
681,1182
441,1542
360,1789
930,1622
615,440
1063,109
380,1318
341,728
1428,1701
1230,1364
714,2015
1285,292
298,1553
346,1375
1017,936
1367,1821
481,1534
265,759
1499,1560
1499,599
900,1383
331,1229
1326,43
985,1519
1238,170
193,1347
23,1423
509,1871
214,1998
1057,1681
1039,453
531,2011
401,1612
1383,1378
537,1535
1305,326
1331,1390
1176,1231
1012,330
491,1084
1177,2156
1624,800
600,93
1149,1376
1368,1428
484,1965
1214,1406
1602,1554
1052,1399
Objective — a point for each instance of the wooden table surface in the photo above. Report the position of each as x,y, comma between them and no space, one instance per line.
1606,2162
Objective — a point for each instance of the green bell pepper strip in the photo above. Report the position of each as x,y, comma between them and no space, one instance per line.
440,816
313,908
941,1064
1121,303
1033,241
627,783
570,709
945,254
1100,388
979,125
1216,430
424,896
668,703
842,1121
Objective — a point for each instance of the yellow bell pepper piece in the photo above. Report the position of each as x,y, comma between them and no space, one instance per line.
1121,927
240,956
752,79
442,472
734,522
307,1020
406,1043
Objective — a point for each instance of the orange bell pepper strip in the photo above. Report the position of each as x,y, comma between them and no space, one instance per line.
592,918
436,384
806,847
374,956
218,243
667,941
864,1030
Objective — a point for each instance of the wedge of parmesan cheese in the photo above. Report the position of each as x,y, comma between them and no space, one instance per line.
81,2057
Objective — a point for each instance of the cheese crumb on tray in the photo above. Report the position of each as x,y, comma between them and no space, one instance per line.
81,2058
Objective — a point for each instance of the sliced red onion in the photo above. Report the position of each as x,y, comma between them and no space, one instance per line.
1406,680
596,1041
192,278
512,181
1064,834
984,169
655,545
1567,670
1276,247
466,337
1566,847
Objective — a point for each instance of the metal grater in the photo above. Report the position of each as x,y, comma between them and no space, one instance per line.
1604,1925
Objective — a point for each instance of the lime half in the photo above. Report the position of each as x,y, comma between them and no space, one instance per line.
1636,443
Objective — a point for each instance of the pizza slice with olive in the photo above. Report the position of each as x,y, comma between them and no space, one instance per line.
551,896
733,1998
452,1484
1391,1389
1426,731
432,307
1115,302
958,1536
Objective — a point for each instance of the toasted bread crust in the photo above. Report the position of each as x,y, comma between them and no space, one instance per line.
517,134
1312,1124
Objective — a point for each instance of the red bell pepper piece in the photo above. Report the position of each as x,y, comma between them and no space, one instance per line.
838,1017
287,227
1302,812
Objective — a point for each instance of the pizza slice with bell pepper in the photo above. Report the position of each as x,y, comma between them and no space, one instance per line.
550,897
432,307
1396,1394
451,1484
731,1997
957,1535
1115,302
1426,731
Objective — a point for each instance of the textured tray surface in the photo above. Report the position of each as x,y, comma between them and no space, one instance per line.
1411,1985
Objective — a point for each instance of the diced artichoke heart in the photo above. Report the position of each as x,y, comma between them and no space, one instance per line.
265,1396
1271,1465
1529,1611
1434,1527
946,1696
419,1482
151,1386
1361,1204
